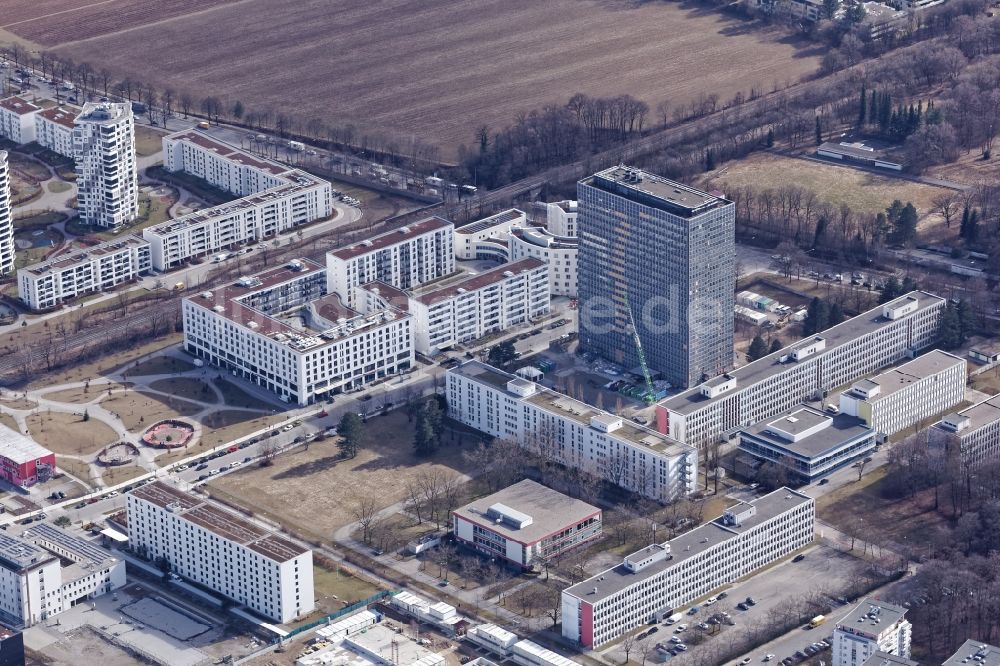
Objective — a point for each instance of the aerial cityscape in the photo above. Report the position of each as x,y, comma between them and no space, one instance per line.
567,333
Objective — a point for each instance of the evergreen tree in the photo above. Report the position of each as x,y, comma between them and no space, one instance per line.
963,228
819,132
775,345
949,328
758,348
502,354
817,317
967,321
836,314
709,160
884,112
428,428
863,107
821,225
890,290
909,284
906,226
971,231
351,431
873,109
770,138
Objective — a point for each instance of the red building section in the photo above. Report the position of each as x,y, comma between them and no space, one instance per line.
23,462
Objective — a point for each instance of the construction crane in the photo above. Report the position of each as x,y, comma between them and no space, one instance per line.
650,395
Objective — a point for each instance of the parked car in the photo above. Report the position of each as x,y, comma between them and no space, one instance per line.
798,558
693,610
743,606
201,467
113,493
750,602
744,661
722,595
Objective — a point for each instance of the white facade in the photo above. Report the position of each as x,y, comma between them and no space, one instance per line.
662,577
54,130
467,308
872,626
559,252
973,433
560,218
279,330
404,258
222,551
106,178
803,371
571,432
6,218
17,119
903,396
34,583
484,238
50,283
274,199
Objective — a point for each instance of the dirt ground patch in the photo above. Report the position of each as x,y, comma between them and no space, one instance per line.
161,365
105,365
234,396
336,589
864,192
10,422
140,409
502,56
81,395
148,141
186,387
60,432
74,467
313,490
86,641
987,382
114,475
229,424
18,403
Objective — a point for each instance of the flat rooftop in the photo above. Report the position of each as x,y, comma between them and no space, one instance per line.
103,112
17,553
18,105
77,257
60,115
450,286
86,556
573,409
975,653
900,377
542,237
397,298
688,545
863,616
880,658
550,511
228,151
504,217
224,523
865,323
842,430
19,448
381,640
655,191
983,413
391,238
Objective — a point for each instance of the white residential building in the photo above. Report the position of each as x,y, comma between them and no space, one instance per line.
7,248
560,217
221,551
404,258
526,522
50,283
107,181
487,238
54,130
972,433
654,582
571,432
466,307
46,570
871,627
17,119
975,652
803,371
282,331
558,252
274,199
901,397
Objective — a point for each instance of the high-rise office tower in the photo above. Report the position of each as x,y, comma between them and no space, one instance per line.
665,252
104,150
6,218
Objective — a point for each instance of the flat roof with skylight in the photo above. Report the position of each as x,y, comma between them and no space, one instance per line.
655,191
808,433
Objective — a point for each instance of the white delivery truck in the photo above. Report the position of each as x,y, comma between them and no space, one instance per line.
675,618
297,146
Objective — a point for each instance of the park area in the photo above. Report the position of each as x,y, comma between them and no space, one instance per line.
312,490
457,64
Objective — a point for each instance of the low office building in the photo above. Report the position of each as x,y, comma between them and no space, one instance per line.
274,199
468,306
487,238
374,644
438,614
657,580
107,182
51,283
872,626
901,397
24,462
404,258
973,434
858,153
508,645
54,130
976,653
803,371
17,119
571,432
985,354
808,443
526,523
280,330
7,248
46,570
221,551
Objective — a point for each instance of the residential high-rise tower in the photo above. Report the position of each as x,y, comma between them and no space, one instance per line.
104,150
667,252
6,218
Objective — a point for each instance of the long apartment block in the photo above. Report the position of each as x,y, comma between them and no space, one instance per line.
281,330
221,550
464,306
803,371
972,433
403,258
273,199
17,119
650,584
50,283
571,432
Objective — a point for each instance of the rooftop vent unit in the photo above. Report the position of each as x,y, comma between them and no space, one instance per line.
404,230
206,294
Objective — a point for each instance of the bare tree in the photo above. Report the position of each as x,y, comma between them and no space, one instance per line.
365,513
268,451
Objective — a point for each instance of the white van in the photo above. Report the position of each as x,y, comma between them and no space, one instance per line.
674,619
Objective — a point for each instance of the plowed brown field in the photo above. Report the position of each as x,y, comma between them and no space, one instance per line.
431,68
